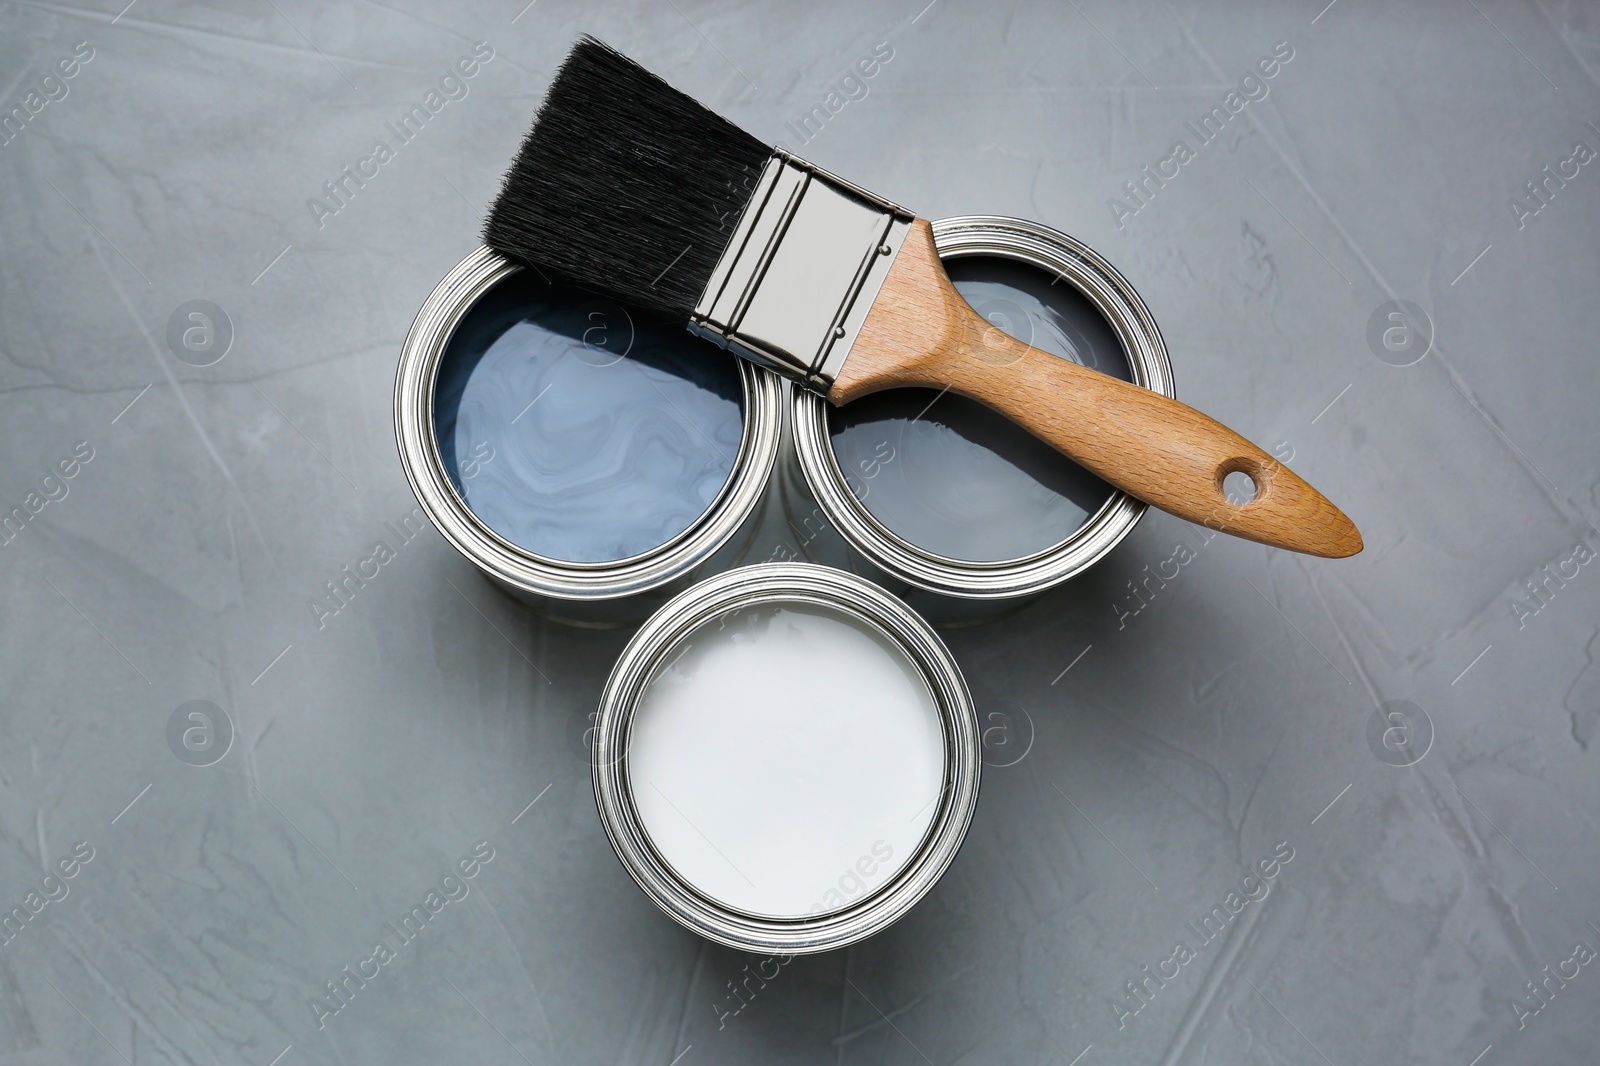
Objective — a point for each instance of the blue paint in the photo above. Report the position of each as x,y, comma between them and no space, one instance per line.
580,430
953,477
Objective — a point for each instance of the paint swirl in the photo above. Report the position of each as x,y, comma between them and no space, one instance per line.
581,430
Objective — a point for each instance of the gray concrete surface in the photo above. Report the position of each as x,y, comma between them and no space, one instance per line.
1175,749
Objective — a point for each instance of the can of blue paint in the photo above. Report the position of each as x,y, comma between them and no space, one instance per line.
944,501
585,457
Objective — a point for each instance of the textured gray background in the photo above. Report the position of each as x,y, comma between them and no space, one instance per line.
1219,722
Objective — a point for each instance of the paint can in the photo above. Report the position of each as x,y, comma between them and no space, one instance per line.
586,458
786,758
945,502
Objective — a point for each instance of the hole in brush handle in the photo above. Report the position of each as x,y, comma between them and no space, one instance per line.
1240,487
1245,480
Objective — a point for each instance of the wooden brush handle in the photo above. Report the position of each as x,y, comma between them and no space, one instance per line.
920,332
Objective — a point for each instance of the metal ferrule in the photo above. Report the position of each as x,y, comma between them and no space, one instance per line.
800,273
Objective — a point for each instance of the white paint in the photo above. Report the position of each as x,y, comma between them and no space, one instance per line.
786,762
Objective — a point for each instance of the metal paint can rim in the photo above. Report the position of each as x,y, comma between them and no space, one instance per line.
1110,293
652,646
415,380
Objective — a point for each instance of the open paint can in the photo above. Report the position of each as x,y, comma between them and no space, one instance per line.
786,758
584,456
946,502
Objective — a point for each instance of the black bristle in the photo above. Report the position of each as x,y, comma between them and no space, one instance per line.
624,184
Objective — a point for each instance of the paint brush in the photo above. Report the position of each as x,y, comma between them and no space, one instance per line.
629,187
